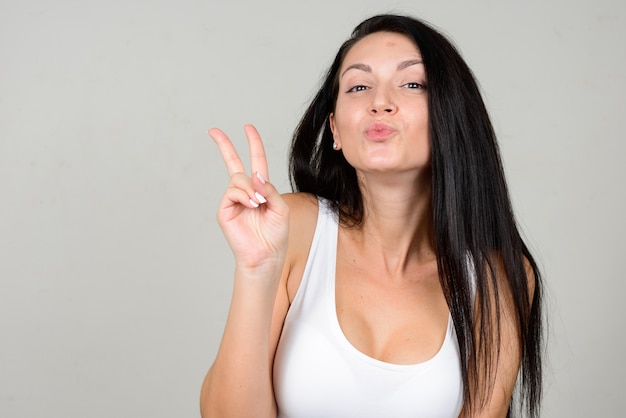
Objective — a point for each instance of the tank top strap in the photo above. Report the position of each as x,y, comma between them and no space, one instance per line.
319,271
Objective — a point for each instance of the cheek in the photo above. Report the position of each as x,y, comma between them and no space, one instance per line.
421,149
343,125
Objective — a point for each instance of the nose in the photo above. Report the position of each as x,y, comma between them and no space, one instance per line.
382,103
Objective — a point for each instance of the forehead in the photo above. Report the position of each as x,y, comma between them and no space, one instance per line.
385,46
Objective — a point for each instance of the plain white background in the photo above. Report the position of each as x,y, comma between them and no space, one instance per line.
114,277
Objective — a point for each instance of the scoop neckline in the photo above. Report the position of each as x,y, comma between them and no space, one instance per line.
345,342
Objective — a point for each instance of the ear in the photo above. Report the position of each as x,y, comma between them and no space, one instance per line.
333,128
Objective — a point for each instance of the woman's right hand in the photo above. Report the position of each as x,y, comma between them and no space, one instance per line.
252,214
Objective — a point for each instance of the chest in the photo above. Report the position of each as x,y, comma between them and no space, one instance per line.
366,357
399,320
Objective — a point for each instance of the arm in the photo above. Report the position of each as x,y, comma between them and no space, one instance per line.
508,364
239,383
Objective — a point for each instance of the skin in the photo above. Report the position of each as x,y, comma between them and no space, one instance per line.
400,314
388,298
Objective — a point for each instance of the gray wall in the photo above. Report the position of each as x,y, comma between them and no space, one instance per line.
114,277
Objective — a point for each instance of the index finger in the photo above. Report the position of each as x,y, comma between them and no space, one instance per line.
228,151
258,159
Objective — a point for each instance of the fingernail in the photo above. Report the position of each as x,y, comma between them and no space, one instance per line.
260,197
260,177
253,203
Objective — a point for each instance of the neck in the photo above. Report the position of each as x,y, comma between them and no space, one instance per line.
397,224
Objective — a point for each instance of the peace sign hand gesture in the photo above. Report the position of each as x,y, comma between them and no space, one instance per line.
252,214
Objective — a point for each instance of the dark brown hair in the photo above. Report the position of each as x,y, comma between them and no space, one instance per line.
474,225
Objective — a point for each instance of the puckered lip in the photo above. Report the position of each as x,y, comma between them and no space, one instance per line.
379,131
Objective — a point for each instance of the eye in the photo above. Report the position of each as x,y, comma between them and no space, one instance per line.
415,85
358,88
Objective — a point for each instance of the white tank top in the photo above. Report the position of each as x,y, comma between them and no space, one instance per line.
319,373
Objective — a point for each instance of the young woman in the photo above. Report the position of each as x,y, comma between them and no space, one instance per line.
394,282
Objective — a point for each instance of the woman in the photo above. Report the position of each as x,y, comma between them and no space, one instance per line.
394,282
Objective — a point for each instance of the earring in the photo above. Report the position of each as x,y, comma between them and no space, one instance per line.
335,145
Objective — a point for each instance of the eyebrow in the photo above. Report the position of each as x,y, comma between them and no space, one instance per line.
364,67
406,64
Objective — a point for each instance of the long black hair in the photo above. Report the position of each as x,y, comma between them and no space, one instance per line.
480,254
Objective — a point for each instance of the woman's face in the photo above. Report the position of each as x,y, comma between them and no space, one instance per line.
381,115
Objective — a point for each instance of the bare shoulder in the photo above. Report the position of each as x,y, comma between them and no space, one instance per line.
301,202
303,210
531,277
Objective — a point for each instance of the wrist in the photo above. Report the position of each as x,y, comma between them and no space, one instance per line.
266,271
